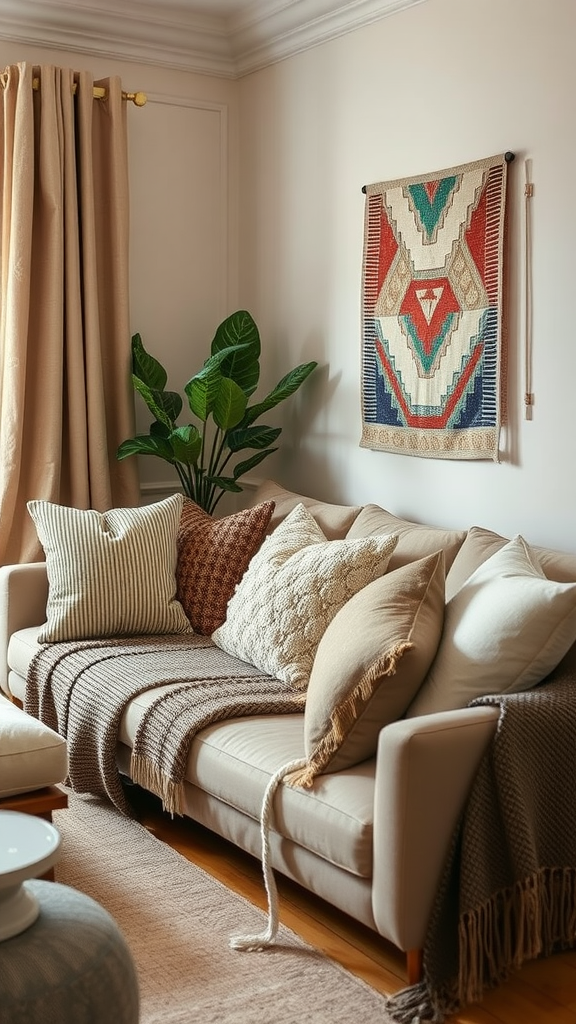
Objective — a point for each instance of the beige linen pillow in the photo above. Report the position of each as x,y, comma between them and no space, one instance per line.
414,539
110,573
369,665
505,629
333,520
293,587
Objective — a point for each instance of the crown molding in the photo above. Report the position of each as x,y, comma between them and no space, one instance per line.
266,31
171,34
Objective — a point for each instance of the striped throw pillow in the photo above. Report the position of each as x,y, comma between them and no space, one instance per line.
110,573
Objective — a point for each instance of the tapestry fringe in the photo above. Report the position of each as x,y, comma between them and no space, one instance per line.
346,715
146,774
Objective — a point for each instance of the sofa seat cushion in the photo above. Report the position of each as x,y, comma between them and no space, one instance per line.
234,761
31,755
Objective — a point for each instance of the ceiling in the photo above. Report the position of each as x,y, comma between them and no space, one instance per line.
228,38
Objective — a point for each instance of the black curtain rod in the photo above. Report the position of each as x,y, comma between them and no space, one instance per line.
509,157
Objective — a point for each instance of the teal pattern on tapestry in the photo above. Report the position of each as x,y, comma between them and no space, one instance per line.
431,208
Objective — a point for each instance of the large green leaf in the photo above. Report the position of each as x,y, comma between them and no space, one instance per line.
186,444
166,406
242,365
286,387
158,429
144,444
202,389
230,404
145,367
254,460
227,483
252,437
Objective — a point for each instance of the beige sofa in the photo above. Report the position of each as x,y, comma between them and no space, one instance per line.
370,839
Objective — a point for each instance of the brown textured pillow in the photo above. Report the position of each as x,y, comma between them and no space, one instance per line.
213,555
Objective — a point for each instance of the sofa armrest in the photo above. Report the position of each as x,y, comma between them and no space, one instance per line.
425,768
23,596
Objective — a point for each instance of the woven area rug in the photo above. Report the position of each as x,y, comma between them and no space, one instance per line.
433,350
177,920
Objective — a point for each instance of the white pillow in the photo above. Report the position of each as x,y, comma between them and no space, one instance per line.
110,573
293,587
504,631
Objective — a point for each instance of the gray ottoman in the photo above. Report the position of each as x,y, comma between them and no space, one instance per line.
72,966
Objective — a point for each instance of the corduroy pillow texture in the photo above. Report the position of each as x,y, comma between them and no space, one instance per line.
213,555
369,665
505,630
110,573
292,589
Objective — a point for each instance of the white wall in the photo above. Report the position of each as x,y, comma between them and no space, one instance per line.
440,84
183,214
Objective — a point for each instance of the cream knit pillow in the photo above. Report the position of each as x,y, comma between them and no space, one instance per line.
110,573
292,589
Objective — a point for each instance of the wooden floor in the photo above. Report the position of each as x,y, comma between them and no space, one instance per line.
541,992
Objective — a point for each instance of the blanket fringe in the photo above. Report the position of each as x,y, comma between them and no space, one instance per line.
415,1005
345,716
532,919
146,774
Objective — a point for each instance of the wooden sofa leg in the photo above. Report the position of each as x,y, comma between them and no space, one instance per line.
414,966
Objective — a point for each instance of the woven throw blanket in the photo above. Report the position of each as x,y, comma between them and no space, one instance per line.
81,689
508,892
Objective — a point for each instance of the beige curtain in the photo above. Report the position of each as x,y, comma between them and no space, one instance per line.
66,399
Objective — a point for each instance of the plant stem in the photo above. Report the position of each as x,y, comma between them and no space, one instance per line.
213,464
181,475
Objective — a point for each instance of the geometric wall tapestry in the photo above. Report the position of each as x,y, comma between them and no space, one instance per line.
432,341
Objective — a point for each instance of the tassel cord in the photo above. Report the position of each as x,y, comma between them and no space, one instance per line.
251,943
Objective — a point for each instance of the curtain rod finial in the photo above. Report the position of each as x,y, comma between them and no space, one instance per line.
509,157
139,99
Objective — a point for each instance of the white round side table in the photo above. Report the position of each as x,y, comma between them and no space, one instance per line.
29,846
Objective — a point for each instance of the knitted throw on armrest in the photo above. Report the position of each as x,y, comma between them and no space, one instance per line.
508,893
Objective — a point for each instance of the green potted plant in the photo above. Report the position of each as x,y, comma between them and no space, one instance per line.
218,396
